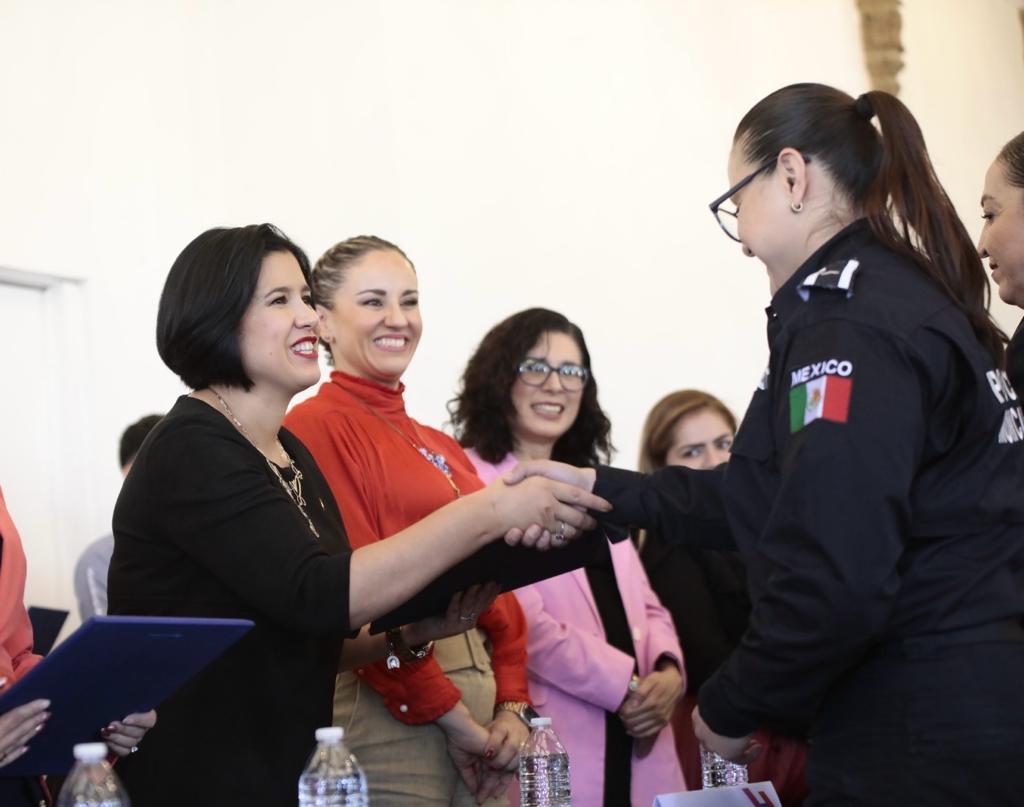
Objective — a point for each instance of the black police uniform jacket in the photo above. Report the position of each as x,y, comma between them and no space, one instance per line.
874,487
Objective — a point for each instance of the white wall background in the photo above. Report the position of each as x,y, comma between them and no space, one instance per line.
523,152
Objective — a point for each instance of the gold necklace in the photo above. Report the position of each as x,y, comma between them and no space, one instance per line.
292,488
436,459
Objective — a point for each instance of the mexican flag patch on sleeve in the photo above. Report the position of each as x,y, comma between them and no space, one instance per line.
826,397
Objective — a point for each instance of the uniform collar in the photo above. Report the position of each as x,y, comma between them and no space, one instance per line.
844,244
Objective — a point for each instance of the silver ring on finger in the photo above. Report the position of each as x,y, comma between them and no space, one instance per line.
559,537
470,617
134,750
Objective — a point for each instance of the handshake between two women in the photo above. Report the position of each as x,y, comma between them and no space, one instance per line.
574,487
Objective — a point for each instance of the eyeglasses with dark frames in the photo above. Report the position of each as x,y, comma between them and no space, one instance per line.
535,372
726,218
730,223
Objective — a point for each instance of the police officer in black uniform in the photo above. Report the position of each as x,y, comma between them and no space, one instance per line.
875,486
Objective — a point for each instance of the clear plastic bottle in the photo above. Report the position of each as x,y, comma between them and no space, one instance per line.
716,771
332,777
92,782
543,768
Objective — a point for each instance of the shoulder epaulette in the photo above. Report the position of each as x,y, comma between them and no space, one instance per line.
836,276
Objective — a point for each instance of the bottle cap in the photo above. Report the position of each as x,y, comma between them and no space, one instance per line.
331,734
90,752
540,721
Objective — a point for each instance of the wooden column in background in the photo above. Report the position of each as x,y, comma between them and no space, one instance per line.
880,27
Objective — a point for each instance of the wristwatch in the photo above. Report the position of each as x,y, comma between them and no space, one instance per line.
398,651
520,709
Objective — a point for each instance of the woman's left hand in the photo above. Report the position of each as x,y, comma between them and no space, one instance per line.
507,735
123,736
648,710
735,749
464,609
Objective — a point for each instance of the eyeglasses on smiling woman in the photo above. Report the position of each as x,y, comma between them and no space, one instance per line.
535,372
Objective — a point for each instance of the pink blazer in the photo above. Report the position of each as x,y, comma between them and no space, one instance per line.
575,676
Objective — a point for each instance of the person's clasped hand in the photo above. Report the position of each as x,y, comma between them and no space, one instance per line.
473,752
743,750
648,708
570,478
507,733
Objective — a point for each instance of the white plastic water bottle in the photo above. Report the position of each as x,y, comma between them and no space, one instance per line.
92,782
716,771
543,768
332,777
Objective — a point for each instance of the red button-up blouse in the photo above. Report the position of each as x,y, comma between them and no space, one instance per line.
366,447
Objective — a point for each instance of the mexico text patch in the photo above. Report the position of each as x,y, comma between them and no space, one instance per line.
820,391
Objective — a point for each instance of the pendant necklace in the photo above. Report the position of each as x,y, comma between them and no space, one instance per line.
436,459
294,487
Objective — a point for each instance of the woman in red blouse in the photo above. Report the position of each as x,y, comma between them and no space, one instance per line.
443,729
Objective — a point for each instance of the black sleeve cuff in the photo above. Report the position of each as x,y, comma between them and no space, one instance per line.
684,505
717,710
624,489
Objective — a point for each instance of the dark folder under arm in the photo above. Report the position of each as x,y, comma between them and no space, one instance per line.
109,668
511,566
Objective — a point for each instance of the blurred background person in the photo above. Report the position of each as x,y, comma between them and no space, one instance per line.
1002,241
603,658
94,562
388,471
705,590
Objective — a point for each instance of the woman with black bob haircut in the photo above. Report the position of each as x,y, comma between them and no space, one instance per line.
874,486
225,514
483,412
203,302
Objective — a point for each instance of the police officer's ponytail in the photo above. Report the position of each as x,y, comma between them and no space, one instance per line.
886,174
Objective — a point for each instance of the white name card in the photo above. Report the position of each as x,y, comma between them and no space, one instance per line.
758,794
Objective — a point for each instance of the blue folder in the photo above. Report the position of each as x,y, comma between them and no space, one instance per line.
111,667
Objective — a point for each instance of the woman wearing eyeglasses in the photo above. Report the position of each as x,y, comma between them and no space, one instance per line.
874,487
603,658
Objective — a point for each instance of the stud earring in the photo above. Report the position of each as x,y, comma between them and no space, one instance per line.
796,207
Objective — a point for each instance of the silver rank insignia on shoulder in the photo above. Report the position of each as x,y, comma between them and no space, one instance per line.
836,276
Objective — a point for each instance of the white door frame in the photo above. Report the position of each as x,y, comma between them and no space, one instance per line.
70,487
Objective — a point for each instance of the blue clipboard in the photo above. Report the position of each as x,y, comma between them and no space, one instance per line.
111,667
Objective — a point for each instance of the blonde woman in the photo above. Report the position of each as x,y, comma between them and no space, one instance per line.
444,729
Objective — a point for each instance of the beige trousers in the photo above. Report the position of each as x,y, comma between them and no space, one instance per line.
409,766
